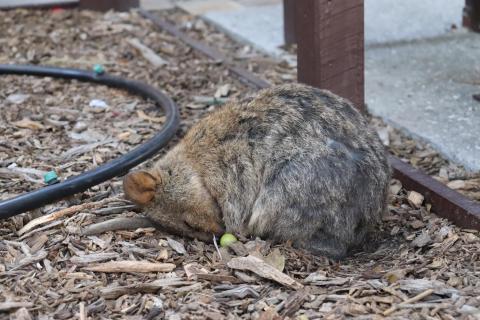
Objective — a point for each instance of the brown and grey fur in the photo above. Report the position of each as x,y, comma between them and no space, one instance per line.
292,163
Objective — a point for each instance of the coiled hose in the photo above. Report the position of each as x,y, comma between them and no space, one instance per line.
111,169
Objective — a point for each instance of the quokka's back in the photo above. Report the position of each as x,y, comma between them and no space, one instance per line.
291,163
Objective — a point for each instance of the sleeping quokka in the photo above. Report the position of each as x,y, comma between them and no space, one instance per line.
291,163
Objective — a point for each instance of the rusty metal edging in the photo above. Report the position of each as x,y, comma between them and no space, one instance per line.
446,202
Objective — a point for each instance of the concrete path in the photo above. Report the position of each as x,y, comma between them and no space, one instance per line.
393,20
426,88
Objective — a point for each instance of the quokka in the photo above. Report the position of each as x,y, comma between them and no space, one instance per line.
290,163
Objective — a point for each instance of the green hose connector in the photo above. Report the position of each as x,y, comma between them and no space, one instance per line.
50,177
98,69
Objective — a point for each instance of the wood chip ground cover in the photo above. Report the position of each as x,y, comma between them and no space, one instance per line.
418,266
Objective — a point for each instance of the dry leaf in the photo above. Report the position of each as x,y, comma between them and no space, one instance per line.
395,275
384,135
417,224
395,186
163,254
193,269
263,269
177,246
22,314
415,199
222,91
28,124
422,240
276,259
316,276
144,116
456,184
437,263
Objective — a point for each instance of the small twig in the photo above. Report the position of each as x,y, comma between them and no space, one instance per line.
131,266
9,305
209,100
438,308
147,53
22,245
424,305
418,297
82,313
114,210
395,293
216,247
40,255
117,224
113,292
48,226
61,213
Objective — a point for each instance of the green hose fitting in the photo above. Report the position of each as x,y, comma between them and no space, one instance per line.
98,69
50,177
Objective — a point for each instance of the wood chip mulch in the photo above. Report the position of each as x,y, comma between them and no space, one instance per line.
417,266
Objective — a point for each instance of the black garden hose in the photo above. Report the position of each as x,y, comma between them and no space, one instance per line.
114,168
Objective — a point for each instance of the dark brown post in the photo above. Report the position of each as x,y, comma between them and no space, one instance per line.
330,40
289,21
471,15
105,5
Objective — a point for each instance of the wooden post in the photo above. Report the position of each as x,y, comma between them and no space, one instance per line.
105,5
289,21
330,40
471,15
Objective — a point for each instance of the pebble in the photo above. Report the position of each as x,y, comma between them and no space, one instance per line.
37,117
80,127
17,98
97,105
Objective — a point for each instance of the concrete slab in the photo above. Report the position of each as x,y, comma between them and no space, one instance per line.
393,20
199,7
426,88
257,3
157,4
260,26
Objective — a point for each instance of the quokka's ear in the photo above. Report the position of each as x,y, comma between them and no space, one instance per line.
139,187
